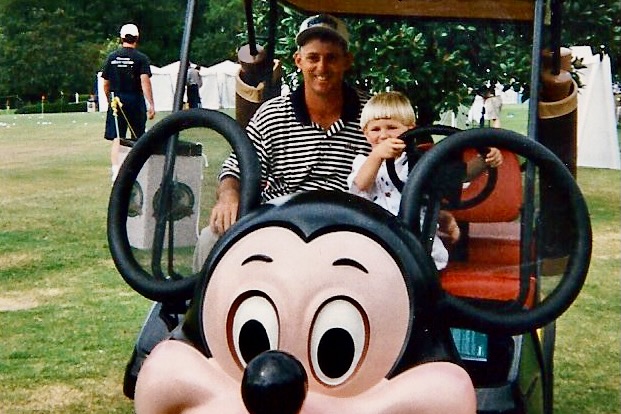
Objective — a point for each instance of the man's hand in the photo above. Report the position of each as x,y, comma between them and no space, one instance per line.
224,213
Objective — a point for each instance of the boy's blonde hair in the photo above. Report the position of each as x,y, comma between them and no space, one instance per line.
388,105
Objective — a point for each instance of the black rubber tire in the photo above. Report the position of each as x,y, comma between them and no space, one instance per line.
173,290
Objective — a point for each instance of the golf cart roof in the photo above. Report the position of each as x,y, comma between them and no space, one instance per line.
521,10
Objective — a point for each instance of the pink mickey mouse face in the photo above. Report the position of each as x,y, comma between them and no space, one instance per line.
320,304
337,303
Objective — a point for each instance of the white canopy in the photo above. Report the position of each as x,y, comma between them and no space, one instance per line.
218,90
598,144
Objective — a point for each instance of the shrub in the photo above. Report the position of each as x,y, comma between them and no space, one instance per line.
52,107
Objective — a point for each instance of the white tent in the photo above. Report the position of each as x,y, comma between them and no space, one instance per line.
161,83
224,74
598,144
218,89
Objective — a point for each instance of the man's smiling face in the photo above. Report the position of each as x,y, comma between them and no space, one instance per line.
323,64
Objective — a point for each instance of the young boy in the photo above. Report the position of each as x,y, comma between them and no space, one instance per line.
383,119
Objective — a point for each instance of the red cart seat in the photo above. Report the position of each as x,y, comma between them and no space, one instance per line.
491,269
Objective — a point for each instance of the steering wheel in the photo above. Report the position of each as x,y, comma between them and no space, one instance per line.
151,284
417,143
516,319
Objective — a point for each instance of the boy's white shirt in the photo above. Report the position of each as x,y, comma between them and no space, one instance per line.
385,194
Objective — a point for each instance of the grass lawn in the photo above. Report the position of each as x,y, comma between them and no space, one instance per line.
70,321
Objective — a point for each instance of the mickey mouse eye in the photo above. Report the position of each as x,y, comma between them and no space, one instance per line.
338,341
254,328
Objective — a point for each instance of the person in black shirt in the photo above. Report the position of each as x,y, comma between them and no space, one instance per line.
127,83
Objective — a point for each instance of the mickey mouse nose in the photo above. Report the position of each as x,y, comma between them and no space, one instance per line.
274,383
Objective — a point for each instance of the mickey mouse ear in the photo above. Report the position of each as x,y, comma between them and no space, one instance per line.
534,299
153,284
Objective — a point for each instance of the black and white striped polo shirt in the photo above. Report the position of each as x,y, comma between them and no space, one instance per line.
297,154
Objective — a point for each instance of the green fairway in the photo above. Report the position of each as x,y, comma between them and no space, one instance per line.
70,320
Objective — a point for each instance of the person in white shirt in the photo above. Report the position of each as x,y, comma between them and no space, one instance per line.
194,83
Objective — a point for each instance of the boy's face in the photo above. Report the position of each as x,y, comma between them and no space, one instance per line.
378,130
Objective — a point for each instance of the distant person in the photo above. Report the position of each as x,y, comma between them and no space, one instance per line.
476,114
193,85
493,106
127,76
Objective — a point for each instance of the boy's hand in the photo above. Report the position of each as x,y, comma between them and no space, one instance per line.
448,230
493,158
389,148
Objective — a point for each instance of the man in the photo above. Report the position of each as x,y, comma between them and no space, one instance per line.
312,135
194,83
127,76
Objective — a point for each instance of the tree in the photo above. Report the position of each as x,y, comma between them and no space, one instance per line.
595,24
40,62
439,64
61,45
217,34
160,23
436,64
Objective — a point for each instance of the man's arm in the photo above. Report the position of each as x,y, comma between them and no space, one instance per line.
106,88
145,83
224,212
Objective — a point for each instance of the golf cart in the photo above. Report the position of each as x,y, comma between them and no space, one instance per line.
522,260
